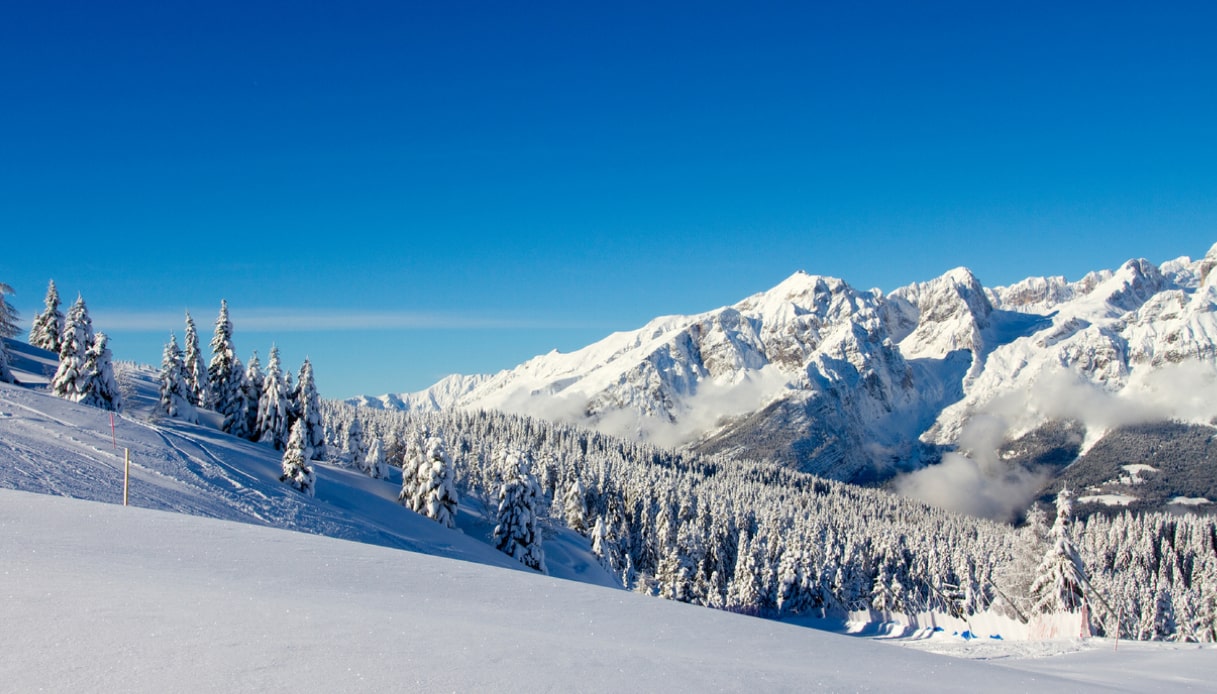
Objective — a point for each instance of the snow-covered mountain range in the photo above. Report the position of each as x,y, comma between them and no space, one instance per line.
860,385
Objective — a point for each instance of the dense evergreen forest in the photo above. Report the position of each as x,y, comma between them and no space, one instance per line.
760,539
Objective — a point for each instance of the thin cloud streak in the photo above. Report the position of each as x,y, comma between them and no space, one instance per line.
325,320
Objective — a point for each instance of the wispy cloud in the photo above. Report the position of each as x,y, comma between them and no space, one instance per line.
318,320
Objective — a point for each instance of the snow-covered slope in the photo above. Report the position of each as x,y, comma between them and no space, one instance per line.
104,598
857,385
52,446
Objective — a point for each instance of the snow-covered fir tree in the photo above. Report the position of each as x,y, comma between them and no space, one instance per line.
224,373
8,315
352,449
71,378
574,507
435,485
6,372
308,403
1058,585
374,464
296,470
100,386
47,330
518,532
174,395
251,396
272,425
196,370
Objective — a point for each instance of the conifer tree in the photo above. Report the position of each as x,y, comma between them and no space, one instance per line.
47,331
352,450
296,470
224,373
518,532
272,407
435,490
374,464
308,402
101,388
196,372
71,378
175,398
6,372
1060,576
251,396
575,507
8,315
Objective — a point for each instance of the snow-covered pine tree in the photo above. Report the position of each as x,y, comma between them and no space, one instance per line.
374,464
1060,576
175,397
196,371
436,485
1015,578
47,330
352,449
272,424
251,396
70,380
224,373
296,470
309,403
744,590
8,315
574,507
6,372
101,388
518,532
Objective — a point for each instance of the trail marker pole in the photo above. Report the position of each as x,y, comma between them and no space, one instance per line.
126,473
113,435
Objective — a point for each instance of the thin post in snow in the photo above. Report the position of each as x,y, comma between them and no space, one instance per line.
126,473
113,435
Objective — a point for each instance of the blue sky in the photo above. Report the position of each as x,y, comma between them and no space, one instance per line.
404,190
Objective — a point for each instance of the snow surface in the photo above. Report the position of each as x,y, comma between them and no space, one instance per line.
171,595
105,598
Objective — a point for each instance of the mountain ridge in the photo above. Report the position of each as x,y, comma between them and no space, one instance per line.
861,385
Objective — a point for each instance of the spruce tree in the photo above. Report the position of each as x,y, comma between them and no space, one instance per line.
71,378
174,395
251,396
374,464
101,388
1060,576
272,424
223,373
435,488
8,315
352,450
518,532
196,372
47,331
296,470
308,403
6,372
575,507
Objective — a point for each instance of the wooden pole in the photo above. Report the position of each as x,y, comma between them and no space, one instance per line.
126,473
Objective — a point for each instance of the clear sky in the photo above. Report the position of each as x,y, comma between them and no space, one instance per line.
405,190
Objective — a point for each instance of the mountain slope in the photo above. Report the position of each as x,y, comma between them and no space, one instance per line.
860,385
146,601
